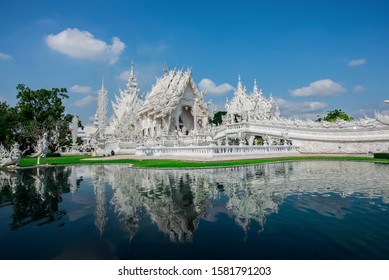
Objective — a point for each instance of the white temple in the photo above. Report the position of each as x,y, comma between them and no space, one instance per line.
174,120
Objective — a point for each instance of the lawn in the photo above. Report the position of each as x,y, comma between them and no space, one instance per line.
158,163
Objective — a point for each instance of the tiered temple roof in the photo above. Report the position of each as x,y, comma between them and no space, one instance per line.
167,93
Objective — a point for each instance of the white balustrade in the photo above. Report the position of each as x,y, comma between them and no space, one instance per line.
215,151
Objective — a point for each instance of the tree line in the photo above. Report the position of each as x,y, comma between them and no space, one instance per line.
36,112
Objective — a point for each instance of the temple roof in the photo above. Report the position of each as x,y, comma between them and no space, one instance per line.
255,103
167,92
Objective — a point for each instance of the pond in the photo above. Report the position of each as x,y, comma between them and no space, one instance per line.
291,210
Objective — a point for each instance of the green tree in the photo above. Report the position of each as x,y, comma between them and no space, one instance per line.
334,115
8,124
41,111
217,118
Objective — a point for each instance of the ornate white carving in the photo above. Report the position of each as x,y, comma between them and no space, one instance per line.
254,107
12,157
41,148
384,119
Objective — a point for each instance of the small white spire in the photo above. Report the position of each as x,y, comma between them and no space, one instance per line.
132,68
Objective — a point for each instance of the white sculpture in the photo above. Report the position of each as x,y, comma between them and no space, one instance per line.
42,148
74,133
12,157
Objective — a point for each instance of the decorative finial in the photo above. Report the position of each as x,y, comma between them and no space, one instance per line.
165,70
132,68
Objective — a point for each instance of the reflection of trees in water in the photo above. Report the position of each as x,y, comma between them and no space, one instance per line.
34,194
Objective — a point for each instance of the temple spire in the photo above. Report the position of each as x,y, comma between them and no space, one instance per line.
255,86
132,83
101,112
165,70
256,91
240,90
132,68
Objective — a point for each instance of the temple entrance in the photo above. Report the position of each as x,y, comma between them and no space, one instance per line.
186,120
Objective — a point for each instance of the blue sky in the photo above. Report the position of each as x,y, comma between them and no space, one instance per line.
313,56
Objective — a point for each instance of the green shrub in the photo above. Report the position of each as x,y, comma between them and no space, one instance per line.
381,155
50,154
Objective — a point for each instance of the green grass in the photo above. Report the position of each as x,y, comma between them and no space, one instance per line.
158,163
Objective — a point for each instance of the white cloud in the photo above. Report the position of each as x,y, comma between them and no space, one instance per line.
356,62
4,56
320,88
125,75
359,89
82,44
308,110
85,101
212,89
80,89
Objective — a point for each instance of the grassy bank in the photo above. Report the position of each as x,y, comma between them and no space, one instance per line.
158,163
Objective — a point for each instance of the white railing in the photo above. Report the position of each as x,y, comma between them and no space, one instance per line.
214,151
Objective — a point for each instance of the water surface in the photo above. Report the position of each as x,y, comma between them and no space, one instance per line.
293,210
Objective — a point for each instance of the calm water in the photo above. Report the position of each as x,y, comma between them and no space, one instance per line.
300,210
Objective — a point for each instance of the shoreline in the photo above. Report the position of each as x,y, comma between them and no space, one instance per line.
193,163
219,159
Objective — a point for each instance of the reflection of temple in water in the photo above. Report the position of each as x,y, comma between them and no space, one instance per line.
177,200
99,189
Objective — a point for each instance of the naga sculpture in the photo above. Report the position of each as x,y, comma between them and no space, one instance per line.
12,157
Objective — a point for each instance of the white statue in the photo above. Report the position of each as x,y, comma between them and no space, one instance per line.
74,133
42,148
12,157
